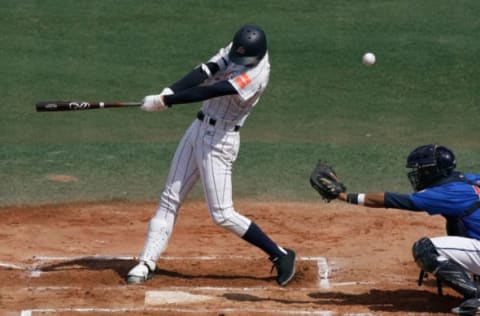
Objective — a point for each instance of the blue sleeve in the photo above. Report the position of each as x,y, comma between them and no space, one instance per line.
400,201
473,177
450,199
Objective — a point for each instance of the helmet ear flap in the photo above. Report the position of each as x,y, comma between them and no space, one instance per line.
445,160
429,163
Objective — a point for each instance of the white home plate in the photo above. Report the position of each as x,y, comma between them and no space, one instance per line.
169,297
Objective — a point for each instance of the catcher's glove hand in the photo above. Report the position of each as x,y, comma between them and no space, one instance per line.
324,180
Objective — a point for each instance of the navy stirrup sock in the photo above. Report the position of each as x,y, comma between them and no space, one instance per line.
257,237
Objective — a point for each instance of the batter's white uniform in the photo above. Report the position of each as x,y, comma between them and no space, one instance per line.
207,152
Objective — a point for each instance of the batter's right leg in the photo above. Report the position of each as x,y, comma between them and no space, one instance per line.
182,177
159,232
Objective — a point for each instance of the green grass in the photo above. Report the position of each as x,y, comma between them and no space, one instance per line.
322,103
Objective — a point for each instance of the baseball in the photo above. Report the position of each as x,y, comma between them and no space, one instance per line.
368,59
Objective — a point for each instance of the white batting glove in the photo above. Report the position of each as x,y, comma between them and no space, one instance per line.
155,102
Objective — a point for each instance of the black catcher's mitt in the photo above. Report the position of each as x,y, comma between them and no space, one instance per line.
324,180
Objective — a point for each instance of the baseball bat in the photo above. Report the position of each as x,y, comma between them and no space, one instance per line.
55,106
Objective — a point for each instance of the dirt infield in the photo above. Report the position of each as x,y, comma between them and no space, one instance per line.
72,259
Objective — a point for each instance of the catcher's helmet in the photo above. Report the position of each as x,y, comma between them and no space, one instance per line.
249,45
429,163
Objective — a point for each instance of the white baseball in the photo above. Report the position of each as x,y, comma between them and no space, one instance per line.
368,59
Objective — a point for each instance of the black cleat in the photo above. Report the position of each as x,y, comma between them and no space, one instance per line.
468,307
285,266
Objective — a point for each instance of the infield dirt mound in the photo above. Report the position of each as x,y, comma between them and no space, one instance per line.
71,259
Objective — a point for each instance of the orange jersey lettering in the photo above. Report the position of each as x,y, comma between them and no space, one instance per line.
243,80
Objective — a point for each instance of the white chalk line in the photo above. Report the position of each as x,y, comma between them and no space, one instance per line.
11,266
322,265
30,312
36,272
209,257
323,282
323,273
189,288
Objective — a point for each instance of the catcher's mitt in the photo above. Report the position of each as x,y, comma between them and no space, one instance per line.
324,180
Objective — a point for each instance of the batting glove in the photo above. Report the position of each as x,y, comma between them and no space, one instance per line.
155,103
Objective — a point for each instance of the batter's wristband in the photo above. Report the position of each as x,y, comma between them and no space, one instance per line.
352,198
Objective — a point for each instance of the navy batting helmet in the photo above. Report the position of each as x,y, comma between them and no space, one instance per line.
249,45
429,163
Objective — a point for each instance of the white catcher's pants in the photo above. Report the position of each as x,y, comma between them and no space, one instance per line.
207,153
464,251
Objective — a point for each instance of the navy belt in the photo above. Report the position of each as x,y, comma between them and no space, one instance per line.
211,121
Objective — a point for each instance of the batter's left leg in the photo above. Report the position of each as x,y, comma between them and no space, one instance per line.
216,176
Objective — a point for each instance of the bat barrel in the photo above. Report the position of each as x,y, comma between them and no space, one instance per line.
55,106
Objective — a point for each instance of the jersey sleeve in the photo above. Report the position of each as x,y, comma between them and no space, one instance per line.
221,58
451,199
252,81
399,201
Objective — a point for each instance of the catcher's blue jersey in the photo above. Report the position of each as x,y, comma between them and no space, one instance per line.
450,199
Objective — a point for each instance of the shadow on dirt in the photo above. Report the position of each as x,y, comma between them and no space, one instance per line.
119,265
191,276
123,266
412,301
242,297
408,301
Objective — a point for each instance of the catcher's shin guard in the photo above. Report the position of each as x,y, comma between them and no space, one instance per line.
445,270
457,278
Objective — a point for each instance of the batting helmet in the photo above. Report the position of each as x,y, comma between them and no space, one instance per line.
249,45
429,163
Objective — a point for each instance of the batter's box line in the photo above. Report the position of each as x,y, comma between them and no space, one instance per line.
323,268
206,257
12,266
322,265
252,311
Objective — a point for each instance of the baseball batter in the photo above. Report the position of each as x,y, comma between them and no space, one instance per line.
439,190
230,85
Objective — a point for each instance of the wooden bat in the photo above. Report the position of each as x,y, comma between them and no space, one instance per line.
54,106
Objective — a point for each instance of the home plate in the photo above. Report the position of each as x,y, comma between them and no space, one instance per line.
169,297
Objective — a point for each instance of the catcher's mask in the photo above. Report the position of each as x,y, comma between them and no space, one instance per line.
429,163
249,45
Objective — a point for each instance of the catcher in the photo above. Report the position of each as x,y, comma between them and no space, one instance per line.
438,190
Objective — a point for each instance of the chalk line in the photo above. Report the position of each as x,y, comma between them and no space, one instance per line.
31,312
